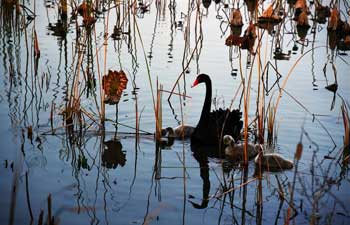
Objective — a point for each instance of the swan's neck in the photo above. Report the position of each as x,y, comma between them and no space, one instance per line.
207,101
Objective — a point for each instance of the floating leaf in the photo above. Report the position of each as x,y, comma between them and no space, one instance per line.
113,84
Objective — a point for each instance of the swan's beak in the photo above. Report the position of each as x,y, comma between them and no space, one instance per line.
194,83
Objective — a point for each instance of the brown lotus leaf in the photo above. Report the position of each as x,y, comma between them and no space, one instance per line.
84,9
89,20
236,18
235,40
268,17
300,7
334,19
249,38
322,12
346,28
300,4
332,39
236,30
113,84
302,32
302,19
263,24
347,40
251,30
251,5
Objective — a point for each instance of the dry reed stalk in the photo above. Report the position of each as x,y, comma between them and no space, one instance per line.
346,123
270,123
49,212
105,43
246,105
261,99
147,65
297,157
181,95
36,46
233,189
184,69
41,217
28,199
287,77
52,115
102,94
159,112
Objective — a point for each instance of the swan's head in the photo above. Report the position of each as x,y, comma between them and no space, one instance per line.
228,140
200,79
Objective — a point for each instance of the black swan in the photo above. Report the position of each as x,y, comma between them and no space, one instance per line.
212,126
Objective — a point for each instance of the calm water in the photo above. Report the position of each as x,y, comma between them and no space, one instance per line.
138,182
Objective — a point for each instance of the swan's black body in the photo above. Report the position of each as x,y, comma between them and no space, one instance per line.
212,126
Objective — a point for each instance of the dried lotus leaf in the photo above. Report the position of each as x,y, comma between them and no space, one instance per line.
113,84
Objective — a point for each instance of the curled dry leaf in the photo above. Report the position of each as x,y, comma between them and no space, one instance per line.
113,84
235,40
347,40
334,19
302,19
249,38
236,18
84,9
89,20
251,5
269,19
300,5
322,12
